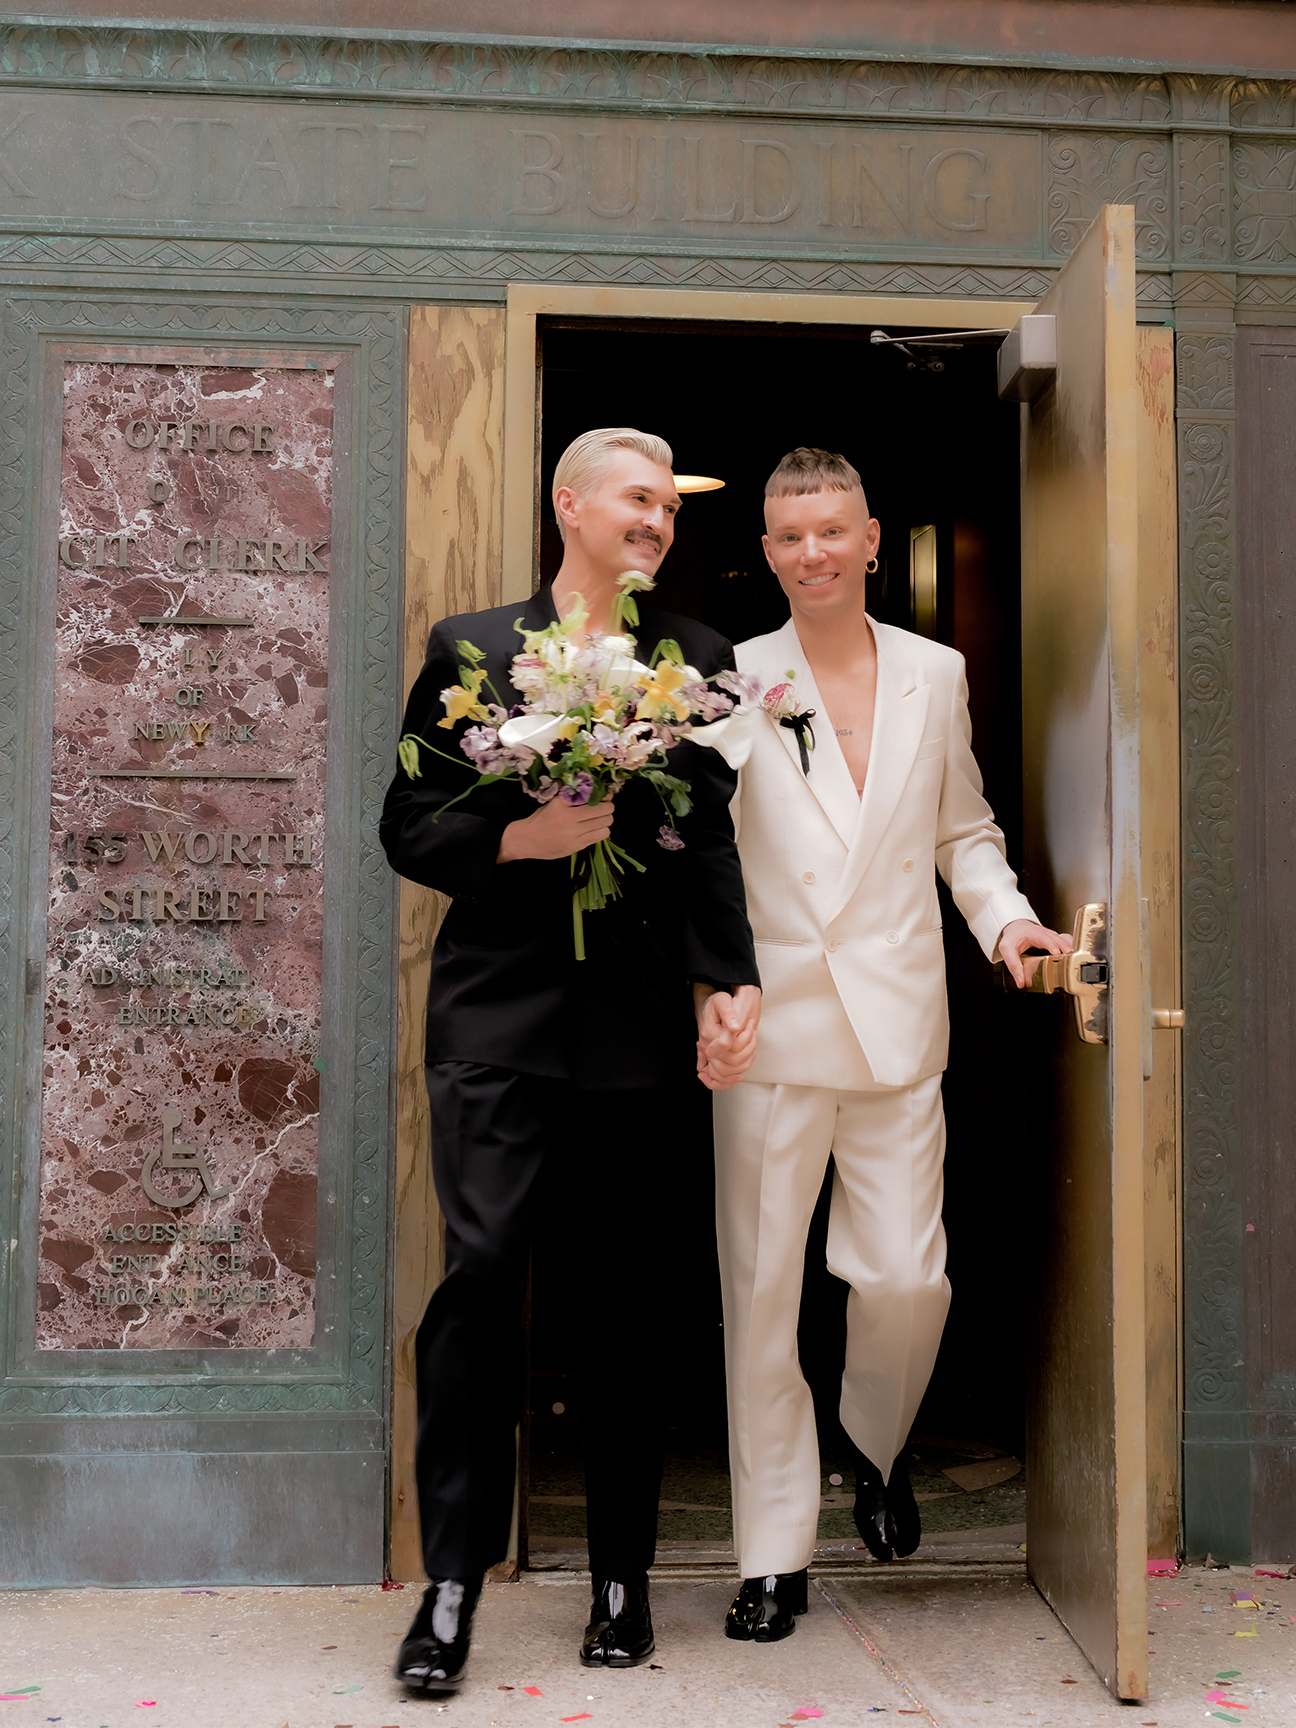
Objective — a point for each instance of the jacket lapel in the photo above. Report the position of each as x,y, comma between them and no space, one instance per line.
829,778
899,716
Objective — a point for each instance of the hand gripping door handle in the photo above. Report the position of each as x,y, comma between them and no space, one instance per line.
1082,974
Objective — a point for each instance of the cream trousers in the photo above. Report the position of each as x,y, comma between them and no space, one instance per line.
885,1238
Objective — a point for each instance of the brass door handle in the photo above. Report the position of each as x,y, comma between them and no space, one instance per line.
1083,974
1169,1019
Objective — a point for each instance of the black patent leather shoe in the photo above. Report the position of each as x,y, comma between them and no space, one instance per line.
886,1514
620,1633
434,1652
764,1609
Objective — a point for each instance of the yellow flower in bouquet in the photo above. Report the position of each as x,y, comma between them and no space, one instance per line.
462,700
659,700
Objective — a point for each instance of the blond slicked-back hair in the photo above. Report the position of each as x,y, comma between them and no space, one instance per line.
806,470
587,459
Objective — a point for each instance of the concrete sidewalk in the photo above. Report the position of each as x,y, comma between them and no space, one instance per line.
958,1646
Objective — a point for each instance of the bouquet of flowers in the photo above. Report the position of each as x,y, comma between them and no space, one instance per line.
592,718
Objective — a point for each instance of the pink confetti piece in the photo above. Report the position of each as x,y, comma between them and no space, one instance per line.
1162,1568
1261,1573
533,1692
804,1711
1169,1604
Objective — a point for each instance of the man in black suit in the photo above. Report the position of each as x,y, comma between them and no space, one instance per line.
548,1072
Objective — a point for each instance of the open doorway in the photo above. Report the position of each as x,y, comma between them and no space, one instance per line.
939,457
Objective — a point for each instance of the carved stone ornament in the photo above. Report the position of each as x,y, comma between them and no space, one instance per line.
1213,1319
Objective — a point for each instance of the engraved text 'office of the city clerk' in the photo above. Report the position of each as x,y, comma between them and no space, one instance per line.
179,1140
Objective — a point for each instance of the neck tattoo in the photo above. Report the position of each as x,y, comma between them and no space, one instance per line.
844,732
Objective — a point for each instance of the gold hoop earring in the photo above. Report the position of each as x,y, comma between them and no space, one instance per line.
871,566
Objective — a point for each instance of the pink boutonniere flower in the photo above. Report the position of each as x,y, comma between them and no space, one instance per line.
781,704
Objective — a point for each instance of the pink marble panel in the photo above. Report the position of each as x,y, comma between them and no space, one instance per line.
180,1108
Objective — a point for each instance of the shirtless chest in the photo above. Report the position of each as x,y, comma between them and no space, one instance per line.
849,695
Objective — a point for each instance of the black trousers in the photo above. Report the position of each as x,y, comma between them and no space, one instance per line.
508,1148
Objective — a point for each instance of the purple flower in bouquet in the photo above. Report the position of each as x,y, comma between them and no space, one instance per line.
578,792
668,839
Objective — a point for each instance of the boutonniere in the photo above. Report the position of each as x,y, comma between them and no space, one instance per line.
780,703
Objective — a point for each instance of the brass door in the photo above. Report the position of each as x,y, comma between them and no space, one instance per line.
1086,1449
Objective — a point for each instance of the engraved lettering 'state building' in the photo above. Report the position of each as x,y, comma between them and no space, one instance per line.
187,857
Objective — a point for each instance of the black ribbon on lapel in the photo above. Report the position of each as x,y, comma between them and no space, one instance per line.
800,724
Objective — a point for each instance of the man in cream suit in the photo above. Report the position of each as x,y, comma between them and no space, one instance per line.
861,785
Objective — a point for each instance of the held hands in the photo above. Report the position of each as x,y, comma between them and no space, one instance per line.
555,830
726,1034
1021,934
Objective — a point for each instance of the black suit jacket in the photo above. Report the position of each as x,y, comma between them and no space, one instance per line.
506,987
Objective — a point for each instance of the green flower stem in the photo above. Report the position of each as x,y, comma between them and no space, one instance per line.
601,865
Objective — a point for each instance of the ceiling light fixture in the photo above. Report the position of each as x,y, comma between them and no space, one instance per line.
697,483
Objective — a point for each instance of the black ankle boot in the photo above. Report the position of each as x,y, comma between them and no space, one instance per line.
763,1610
620,1633
886,1515
904,1523
434,1653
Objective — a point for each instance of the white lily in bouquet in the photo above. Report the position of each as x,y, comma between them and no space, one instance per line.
593,717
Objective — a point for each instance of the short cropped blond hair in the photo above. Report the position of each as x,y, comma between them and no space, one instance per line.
584,462
806,470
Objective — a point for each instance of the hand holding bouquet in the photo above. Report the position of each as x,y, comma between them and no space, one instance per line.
592,718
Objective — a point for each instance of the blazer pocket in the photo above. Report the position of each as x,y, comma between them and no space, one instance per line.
933,747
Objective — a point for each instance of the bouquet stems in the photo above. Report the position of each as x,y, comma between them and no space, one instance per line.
601,865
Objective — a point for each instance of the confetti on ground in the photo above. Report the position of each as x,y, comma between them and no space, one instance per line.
583,1717
1229,1674
342,1691
1261,1573
1169,1604
1162,1568
533,1692
1242,1598
804,1711
322,1646
388,1584
200,1592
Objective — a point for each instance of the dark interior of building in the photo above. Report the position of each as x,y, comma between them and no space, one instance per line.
938,453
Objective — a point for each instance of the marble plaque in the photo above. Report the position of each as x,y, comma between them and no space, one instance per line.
180,1107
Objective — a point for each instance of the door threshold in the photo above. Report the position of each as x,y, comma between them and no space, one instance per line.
823,1573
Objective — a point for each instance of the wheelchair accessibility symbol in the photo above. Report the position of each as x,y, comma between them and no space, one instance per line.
172,1156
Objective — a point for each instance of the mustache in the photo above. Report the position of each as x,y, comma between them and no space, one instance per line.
648,534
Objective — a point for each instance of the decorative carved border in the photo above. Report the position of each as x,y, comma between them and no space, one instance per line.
402,272
128,1386
691,81
537,74
1214,1321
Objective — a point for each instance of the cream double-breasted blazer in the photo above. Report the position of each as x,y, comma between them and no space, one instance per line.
841,889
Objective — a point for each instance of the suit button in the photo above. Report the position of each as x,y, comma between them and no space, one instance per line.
907,865
809,876
833,945
893,935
